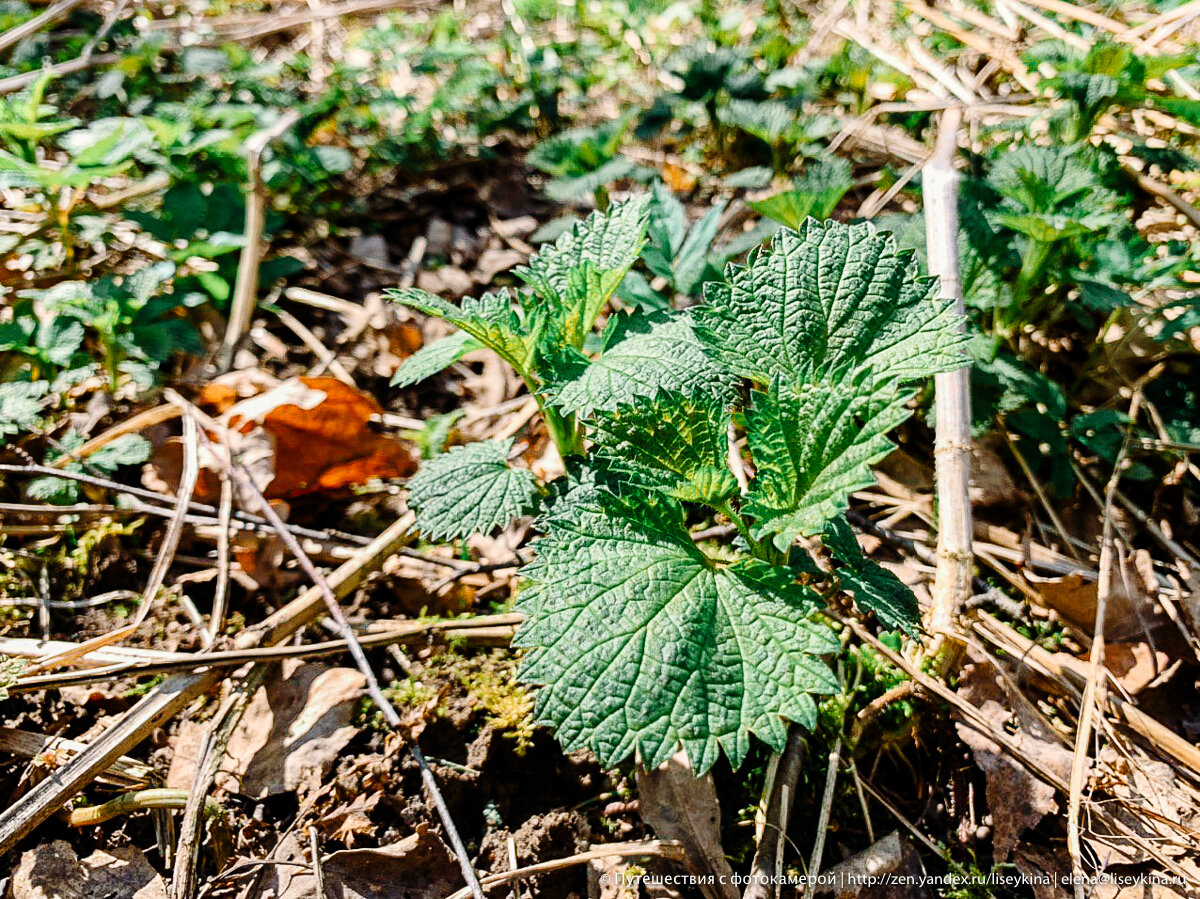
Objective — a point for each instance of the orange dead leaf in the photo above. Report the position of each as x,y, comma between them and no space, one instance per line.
323,435
304,435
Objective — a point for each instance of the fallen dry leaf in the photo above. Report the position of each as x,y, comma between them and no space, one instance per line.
1135,665
493,262
1017,800
303,435
295,726
418,867
991,482
681,806
1132,614
54,871
352,819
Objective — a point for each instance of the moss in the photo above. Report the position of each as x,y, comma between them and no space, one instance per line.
492,681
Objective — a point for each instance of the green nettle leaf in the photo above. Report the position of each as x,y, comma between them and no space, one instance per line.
642,644
507,324
429,360
471,489
130,449
60,338
570,283
1052,193
816,192
20,405
588,291
827,297
674,444
813,445
609,241
875,588
573,188
661,352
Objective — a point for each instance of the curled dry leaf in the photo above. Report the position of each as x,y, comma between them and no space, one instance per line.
681,806
54,871
418,867
294,728
301,436
1133,612
1017,800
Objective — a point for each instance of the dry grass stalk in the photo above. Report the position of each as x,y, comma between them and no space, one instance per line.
952,445
772,819
1081,760
245,290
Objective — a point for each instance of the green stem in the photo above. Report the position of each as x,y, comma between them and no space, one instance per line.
564,430
759,549
1030,273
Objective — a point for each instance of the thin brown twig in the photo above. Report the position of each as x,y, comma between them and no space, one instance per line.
216,620
245,290
814,864
170,542
482,629
314,845
49,16
1081,758
242,518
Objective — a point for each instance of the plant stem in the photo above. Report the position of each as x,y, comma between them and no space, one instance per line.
1031,270
564,430
952,444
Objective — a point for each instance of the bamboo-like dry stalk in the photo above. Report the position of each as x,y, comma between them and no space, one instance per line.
245,289
952,445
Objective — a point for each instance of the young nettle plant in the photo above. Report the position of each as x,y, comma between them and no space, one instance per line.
640,639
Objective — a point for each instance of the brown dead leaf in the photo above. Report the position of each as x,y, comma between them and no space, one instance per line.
300,436
294,728
321,429
1135,665
1132,613
678,178
185,755
1017,800
681,806
352,819
493,262
418,867
991,482
54,871
447,281
422,588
